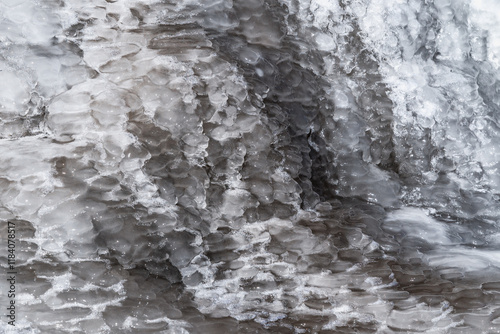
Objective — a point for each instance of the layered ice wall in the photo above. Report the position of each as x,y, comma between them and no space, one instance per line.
258,166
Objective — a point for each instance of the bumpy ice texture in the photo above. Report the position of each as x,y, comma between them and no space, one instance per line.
257,166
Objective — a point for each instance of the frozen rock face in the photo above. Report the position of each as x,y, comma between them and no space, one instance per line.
257,166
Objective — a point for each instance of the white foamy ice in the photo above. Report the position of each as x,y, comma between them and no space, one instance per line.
453,128
485,15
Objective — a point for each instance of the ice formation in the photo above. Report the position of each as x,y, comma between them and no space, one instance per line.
257,166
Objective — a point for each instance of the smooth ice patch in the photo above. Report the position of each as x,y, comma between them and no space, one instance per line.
417,223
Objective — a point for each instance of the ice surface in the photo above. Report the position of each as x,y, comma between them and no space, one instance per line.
251,166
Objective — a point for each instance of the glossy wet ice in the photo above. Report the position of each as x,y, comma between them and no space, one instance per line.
252,166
